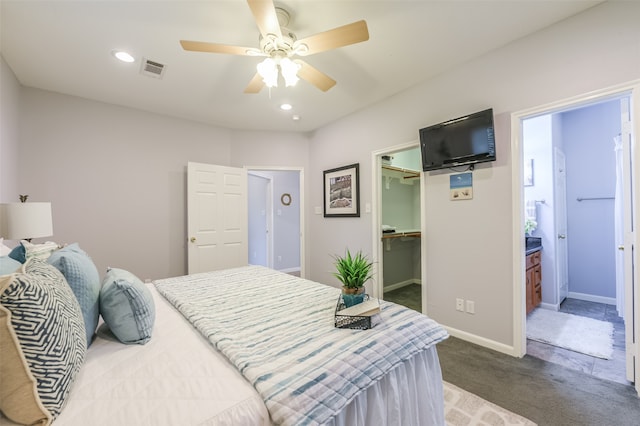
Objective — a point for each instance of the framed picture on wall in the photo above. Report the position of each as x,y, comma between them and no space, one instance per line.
342,192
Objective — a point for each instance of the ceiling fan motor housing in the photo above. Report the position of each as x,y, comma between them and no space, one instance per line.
271,44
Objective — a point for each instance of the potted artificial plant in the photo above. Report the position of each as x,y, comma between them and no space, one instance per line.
353,272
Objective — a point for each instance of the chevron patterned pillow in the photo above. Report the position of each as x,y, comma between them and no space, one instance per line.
42,341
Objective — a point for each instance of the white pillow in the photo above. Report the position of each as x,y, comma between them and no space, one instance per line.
4,250
41,251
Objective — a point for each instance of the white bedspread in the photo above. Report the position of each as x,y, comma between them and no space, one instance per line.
176,379
278,331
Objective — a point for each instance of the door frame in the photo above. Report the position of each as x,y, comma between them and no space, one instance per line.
632,89
377,249
300,170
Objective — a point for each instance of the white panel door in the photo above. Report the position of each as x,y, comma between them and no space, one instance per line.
216,217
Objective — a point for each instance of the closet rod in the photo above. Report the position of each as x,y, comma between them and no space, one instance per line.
594,198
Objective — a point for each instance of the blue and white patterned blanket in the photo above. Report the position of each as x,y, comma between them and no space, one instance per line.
278,330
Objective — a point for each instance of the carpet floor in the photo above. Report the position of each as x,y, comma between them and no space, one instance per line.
409,296
543,392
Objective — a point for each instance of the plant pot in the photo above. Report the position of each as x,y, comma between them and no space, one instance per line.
352,296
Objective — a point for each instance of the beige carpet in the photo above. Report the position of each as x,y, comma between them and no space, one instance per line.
462,408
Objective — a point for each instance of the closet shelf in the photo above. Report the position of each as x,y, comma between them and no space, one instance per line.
409,174
401,234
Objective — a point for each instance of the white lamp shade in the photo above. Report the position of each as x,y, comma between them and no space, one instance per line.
21,221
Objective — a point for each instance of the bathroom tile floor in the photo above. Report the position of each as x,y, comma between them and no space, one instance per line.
611,369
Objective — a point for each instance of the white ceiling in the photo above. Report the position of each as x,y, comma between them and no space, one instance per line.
65,47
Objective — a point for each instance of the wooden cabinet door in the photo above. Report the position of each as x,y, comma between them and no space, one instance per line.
529,290
536,277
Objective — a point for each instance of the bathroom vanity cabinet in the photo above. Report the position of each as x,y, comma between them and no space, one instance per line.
534,280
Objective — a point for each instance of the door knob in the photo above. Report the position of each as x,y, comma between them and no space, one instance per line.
620,247
562,236
193,239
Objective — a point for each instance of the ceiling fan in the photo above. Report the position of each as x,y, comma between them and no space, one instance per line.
280,46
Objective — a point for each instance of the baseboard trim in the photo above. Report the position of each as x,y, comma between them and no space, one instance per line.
487,343
290,270
550,306
592,298
401,284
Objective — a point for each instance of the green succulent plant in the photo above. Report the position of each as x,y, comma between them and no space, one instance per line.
353,270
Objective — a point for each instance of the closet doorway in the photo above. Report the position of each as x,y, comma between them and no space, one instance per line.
398,225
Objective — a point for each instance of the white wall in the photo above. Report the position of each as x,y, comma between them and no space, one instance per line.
116,177
469,244
9,96
538,144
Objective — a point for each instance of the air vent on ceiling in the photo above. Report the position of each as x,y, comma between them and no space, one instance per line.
152,68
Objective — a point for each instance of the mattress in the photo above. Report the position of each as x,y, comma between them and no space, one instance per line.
179,378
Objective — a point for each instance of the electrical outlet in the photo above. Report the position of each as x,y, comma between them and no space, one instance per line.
471,307
279,258
460,305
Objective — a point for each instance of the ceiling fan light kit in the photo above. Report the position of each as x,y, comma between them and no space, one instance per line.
280,45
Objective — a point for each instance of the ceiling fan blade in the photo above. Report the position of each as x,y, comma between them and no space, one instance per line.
315,77
255,85
266,18
337,37
202,46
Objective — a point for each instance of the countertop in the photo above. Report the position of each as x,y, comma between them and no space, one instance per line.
532,245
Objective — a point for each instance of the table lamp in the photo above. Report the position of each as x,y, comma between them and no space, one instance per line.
24,221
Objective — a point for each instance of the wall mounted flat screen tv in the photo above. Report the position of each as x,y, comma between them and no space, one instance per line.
462,141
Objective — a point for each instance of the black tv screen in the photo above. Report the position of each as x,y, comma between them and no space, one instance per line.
458,142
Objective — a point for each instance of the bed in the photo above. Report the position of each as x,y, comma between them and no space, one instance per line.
253,346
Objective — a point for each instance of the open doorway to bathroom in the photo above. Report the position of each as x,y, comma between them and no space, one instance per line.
574,220
398,245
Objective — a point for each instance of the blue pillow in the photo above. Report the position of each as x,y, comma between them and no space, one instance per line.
83,278
8,265
18,253
126,304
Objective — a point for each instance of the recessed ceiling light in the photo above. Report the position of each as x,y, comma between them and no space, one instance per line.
122,55
285,107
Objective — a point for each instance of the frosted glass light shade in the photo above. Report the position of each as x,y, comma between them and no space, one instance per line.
21,221
289,71
268,70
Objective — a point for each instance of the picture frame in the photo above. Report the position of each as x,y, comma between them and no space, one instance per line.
342,191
